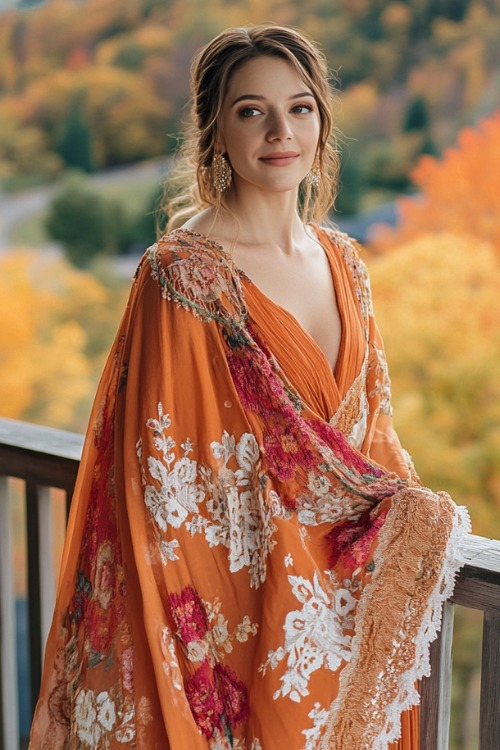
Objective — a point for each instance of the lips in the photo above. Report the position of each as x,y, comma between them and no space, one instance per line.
280,158
279,155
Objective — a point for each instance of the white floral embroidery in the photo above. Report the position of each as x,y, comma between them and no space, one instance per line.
325,504
383,381
235,512
238,516
351,417
106,714
315,635
288,561
95,717
87,728
167,550
175,493
316,733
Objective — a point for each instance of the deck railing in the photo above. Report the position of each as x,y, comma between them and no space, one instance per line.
45,458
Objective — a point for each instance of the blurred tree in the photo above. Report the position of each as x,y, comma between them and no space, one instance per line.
24,152
458,193
144,226
351,182
77,219
37,296
417,115
130,56
436,299
75,142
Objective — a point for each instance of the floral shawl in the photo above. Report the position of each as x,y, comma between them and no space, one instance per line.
250,562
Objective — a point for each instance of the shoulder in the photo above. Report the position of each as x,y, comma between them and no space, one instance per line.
195,273
349,248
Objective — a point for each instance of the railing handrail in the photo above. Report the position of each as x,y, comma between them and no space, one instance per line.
40,440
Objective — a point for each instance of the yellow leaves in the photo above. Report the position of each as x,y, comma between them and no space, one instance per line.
63,374
436,299
46,306
358,104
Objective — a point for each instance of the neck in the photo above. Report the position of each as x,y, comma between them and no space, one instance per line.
266,218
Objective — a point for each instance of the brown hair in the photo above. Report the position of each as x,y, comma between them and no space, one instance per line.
190,183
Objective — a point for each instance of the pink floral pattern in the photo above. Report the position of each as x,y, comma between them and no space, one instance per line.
217,697
205,700
189,615
290,441
350,541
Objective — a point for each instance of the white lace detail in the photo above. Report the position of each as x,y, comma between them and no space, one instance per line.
315,635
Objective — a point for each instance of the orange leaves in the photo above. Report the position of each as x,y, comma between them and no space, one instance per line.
458,193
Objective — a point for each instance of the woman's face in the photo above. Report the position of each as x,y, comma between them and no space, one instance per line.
270,125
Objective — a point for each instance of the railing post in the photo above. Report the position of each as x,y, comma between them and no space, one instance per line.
9,711
41,581
489,732
46,562
34,592
436,689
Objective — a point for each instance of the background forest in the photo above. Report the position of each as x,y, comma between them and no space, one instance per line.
92,98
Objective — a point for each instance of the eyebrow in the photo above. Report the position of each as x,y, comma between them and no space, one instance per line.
260,98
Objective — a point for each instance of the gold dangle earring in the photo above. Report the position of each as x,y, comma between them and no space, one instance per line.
221,173
313,177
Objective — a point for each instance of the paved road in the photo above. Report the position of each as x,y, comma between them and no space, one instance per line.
18,207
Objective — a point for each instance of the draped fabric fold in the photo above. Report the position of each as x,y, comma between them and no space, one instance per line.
251,561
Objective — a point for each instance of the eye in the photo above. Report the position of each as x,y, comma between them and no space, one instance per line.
249,112
302,109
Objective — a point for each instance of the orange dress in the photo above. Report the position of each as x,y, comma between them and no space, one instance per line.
250,562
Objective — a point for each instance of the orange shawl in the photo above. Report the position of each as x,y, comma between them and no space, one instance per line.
251,562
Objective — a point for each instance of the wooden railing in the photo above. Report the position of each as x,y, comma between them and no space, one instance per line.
46,458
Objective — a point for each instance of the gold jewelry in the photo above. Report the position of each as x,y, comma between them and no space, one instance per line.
221,173
313,177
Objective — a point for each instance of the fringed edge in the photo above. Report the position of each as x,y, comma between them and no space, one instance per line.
430,627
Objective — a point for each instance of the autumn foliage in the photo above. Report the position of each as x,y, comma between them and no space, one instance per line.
457,193
57,325
436,280
120,69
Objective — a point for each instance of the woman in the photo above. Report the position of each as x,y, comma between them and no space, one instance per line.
251,561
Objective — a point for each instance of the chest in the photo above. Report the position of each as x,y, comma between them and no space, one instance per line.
303,286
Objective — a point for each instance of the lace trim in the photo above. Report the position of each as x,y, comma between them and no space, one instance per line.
414,575
351,416
196,274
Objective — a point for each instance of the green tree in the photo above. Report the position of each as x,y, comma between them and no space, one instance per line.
77,219
417,115
75,142
351,183
144,227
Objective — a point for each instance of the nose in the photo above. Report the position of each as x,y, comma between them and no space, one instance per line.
278,127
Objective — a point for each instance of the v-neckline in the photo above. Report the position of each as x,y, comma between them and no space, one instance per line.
335,280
